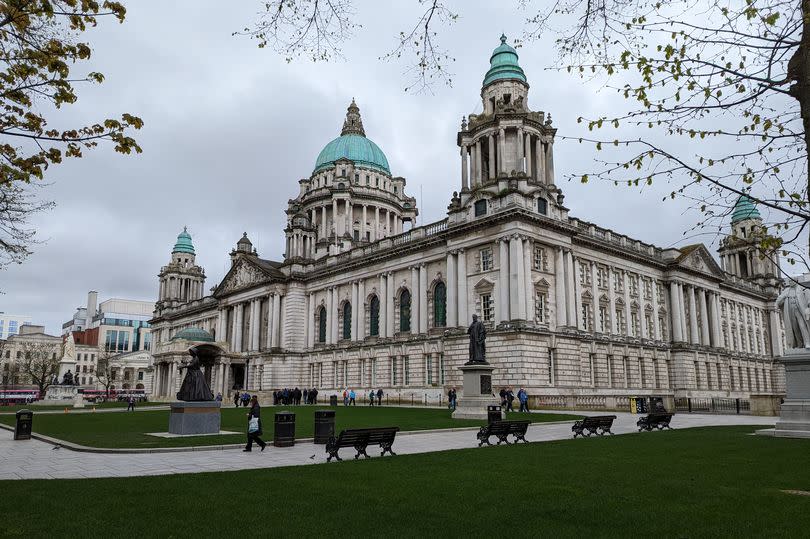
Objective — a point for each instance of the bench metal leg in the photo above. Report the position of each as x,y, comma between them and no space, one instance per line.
386,448
519,437
503,438
361,450
333,453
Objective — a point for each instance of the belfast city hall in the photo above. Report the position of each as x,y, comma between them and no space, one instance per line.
577,314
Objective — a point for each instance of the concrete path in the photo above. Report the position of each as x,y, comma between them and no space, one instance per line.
32,459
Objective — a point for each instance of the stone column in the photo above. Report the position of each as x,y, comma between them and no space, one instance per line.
334,315
361,310
473,172
674,312
559,287
627,322
324,226
390,304
479,169
503,281
517,279
237,336
415,295
528,255
376,232
694,336
382,294
550,162
655,303
528,150
276,321
423,304
682,311
172,383
614,324
452,320
464,184
571,290
491,140
704,318
461,298
334,216
595,296
363,225
501,150
255,325
310,323
540,165
354,295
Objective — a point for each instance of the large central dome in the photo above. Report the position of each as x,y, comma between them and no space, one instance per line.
353,145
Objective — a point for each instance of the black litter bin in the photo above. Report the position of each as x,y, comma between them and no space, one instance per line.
284,431
324,425
332,400
494,413
22,428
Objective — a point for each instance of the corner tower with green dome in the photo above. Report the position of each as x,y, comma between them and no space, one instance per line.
740,252
350,199
507,147
182,280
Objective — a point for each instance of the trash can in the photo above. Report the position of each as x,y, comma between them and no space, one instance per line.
22,428
284,431
332,400
638,405
494,413
324,425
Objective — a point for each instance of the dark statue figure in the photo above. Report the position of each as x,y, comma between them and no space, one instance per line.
478,347
67,379
194,386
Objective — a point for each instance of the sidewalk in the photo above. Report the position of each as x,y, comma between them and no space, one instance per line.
32,459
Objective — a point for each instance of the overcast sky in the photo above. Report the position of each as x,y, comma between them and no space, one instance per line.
230,129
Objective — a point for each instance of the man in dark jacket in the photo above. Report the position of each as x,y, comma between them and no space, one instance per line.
509,398
379,397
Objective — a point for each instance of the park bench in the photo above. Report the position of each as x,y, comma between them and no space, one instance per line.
360,439
658,421
502,430
598,424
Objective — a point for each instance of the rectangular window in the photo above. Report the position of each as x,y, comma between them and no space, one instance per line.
140,376
602,277
486,259
12,327
441,369
586,317
429,369
542,206
393,371
357,178
618,283
486,308
603,319
649,323
540,307
406,363
395,189
480,208
584,274
356,235
620,322
540,263
633,285
373,372
634,323
368,179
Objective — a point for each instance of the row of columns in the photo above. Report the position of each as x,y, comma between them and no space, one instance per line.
300,245
247,315
365,372
181,288
534,155
385,222
516,289
705,332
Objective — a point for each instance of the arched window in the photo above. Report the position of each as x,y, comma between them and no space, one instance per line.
405,311
322,324
347,320
440,305
374,317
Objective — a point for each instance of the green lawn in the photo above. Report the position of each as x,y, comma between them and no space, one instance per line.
69,406
129,429
710,482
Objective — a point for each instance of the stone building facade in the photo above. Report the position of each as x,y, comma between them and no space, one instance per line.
573,311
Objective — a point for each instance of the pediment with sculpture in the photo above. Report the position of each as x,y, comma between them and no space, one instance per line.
241,276
697,258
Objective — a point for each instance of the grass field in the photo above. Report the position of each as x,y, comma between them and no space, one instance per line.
69,405
117,430
709,482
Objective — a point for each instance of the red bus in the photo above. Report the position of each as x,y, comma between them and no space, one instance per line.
18,396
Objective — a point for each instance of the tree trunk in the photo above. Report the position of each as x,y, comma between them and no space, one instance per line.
799,73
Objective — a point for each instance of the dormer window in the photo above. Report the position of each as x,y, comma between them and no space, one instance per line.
480,208
395,189
342,172
507,98
542,206
357,178
376,181
368,179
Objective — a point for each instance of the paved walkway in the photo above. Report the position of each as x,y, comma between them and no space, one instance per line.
33,459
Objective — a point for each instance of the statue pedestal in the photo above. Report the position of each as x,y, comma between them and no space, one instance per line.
59,392
476,394
794,418
202,417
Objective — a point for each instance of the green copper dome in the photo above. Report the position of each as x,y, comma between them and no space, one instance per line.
193,334
353,145
183,244
744,209
503,65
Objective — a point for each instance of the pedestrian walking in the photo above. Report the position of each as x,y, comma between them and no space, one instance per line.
345,397
131,404
523,397
219,397
254,425
371,397
379,397
236,398
352,396
510,396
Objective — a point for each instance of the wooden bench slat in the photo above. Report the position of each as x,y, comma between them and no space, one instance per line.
502,429
360,439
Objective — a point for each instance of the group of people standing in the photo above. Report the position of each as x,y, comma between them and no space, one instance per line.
294,397
372,394
508,396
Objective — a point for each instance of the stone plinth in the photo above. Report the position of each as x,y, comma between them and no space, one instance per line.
476,394
59,392
194,417
794,418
